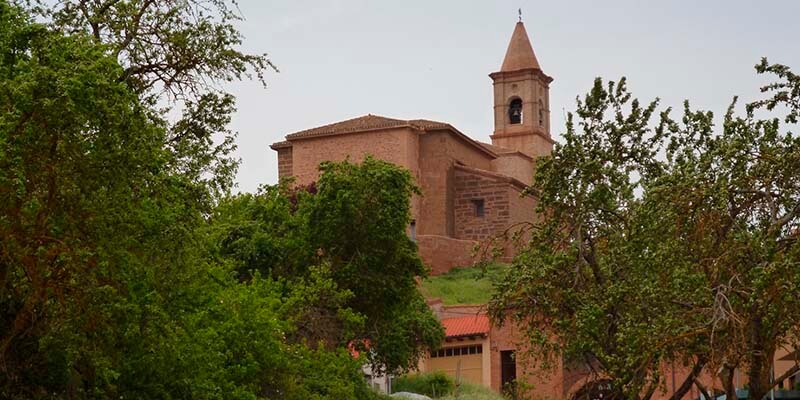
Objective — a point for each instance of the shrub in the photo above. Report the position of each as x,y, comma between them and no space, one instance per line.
470,391
433,384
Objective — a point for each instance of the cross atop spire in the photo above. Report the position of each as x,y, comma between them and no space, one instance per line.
520,14
520,52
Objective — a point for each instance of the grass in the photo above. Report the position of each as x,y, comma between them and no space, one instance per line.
469,391
464,285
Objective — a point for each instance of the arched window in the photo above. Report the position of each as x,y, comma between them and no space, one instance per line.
541,114
515,111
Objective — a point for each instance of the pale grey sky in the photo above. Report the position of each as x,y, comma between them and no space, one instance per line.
430,59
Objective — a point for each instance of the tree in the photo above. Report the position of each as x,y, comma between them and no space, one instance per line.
663,243
107,287
735,198
87,206
353,223
585,288
174,54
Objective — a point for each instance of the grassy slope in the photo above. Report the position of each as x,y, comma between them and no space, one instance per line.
464,286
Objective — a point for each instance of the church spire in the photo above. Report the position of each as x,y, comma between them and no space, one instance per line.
520,54
522,100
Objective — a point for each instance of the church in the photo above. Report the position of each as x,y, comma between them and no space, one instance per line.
471,191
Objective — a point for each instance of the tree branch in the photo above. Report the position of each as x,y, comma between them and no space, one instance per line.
702,389
691,378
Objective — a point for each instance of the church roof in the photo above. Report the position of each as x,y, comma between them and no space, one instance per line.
369,122
365,123
520,52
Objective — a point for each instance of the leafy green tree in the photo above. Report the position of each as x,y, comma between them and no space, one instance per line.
586,289
174,54
353,221
663,243
107,289
734,196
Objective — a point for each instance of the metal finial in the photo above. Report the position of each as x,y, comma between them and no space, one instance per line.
519,11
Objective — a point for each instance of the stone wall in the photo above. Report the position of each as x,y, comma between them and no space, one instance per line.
505,209
474,188
443,253
439,151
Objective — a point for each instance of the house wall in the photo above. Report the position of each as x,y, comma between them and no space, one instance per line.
474,368
542,384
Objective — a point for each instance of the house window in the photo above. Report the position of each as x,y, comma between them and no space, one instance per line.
458,351
479,208
515,111
413,230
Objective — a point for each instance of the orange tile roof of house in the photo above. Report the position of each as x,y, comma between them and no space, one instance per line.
364,123
471,325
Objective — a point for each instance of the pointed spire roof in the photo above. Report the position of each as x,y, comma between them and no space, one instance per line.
520,52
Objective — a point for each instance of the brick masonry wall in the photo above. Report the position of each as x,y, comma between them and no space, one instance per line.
284,162
399,146
543,384
442,253
396,145
438,151
471,187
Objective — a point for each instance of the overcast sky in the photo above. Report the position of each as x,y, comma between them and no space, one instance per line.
410,59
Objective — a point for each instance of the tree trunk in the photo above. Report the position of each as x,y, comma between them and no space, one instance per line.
726,376
759,363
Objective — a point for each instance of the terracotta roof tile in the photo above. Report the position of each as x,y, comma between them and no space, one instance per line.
470,325
280,145
363,123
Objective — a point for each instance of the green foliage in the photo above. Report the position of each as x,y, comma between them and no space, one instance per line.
110,284
663,242
172,53
352,221
432,384
586,285
465,285
468,391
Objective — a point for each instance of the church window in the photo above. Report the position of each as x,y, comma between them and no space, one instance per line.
515,111
479,210
541,114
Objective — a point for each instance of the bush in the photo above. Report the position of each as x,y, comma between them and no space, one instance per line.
434,384
469,391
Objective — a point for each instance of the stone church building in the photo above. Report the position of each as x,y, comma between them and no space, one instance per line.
471,190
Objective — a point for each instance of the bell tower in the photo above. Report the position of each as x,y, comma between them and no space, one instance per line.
522,99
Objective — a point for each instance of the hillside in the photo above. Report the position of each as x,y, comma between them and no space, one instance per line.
465,285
